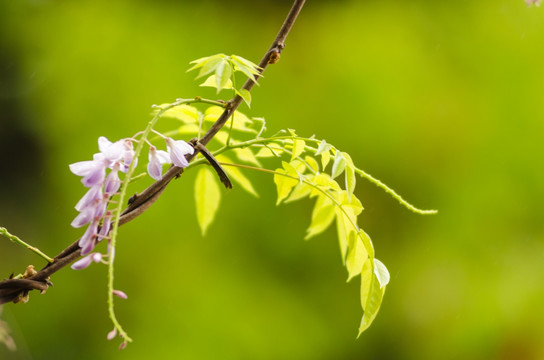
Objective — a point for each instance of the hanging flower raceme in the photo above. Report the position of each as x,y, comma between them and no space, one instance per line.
92,206
101,176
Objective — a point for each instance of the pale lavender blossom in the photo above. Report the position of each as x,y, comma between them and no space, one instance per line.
116,156
128,156
113,182
94,194
84,217
106,226
120,293
156,159
177,150
533,2
93,171
89,239
86,261
112,334
112,151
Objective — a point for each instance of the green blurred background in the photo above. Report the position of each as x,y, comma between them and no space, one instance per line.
442,100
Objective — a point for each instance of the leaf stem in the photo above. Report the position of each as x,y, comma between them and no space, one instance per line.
18,241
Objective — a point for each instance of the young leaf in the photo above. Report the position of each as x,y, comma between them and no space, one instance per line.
371,295
184,113
223,72
342,230
322,216
271,150
349,175
246,155
323,181
312,164
338,165
284,184
249,69
212,82
301,190
325,158
245,95
381,272
323,147
207,196
298,148
207,65
236,174
357,255
188,129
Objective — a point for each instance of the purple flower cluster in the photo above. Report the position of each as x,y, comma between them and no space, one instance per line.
102,185
533,2
93,205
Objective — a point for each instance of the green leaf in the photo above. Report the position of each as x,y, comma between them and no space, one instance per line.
367,243
236,174
284,184
208,64
381,272
338,165
371,295
247,155
199,63
322,148
212,82
352,204
349,175
188,129
271,150
301,190
245,95
342,230
357,255
223,72
207,196
249,69
322,216
184,113
324,182
298,148
325,158
312,164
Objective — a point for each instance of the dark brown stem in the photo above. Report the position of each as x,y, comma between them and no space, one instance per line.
11,289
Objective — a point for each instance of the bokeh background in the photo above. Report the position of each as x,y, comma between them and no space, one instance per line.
442,100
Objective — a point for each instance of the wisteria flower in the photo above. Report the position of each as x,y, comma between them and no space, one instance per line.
177,150
94,194
113,182
120,294
86,261
156,159
93,171
88,241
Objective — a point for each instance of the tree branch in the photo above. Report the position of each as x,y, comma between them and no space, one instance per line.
13,289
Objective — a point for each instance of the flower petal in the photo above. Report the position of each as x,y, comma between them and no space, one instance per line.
82,263
94,194
177,150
